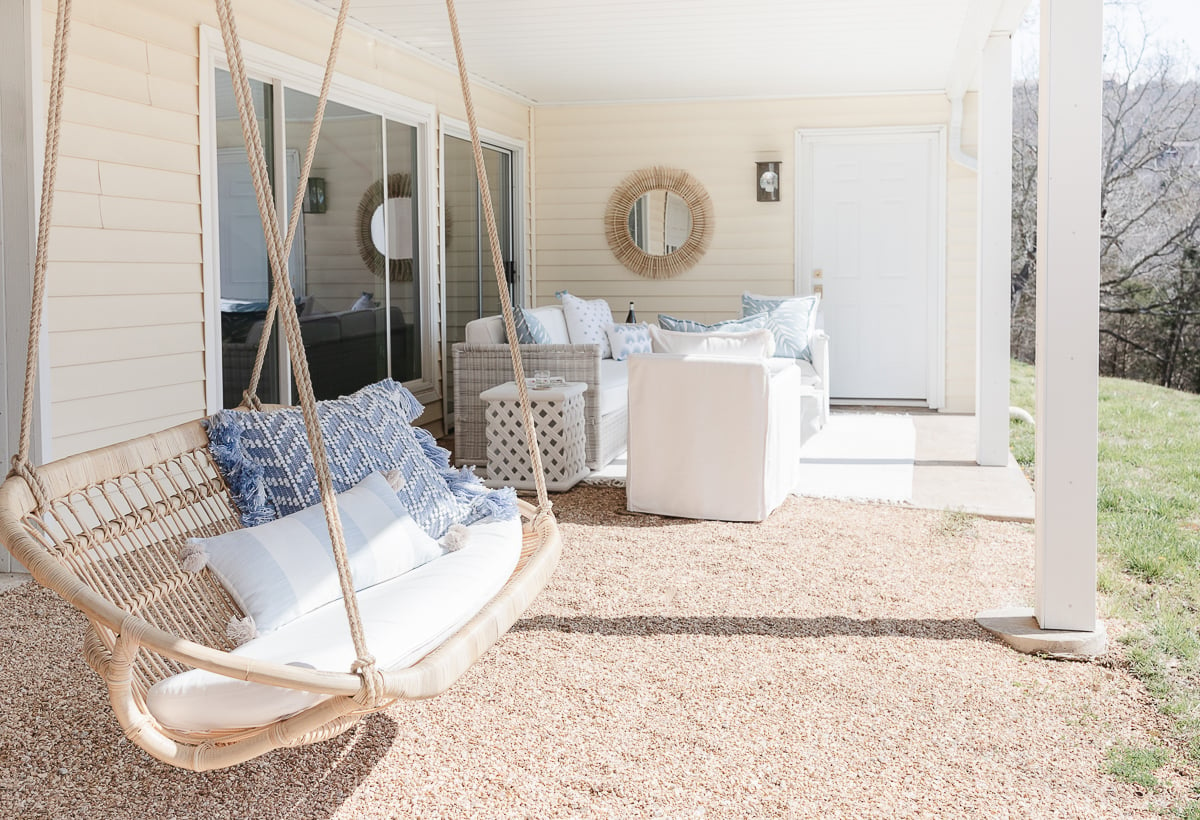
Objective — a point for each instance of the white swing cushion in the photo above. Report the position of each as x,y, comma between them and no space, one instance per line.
278,571
403,619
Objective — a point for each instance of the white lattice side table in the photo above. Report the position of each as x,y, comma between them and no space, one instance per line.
558,420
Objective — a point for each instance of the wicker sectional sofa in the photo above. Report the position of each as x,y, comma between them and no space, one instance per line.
482,362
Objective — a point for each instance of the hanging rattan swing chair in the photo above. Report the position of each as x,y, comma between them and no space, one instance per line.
103,528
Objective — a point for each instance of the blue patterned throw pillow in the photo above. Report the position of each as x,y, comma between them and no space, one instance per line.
268,465
530,330
791,318
629,339
729,325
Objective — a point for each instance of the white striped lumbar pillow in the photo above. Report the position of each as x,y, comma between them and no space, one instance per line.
281,570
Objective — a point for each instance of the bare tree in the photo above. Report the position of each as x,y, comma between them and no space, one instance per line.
1150,215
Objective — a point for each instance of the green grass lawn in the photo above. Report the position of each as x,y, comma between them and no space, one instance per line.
1148,512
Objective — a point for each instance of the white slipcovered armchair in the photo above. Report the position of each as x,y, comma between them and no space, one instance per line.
713,437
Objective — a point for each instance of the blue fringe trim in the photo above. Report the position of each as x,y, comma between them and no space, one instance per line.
409,406
492,505
244,477
463,483
439,456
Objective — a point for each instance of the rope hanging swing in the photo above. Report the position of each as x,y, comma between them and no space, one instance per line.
103,528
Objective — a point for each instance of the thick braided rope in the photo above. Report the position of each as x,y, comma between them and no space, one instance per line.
62,31
510,326
251,395
364,665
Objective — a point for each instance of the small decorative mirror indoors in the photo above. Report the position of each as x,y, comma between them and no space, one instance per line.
659,222
397,236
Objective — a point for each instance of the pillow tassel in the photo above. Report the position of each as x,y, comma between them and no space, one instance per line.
241,630
193,556
457,537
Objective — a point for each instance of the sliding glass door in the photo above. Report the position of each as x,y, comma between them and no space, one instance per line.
471,290
355,263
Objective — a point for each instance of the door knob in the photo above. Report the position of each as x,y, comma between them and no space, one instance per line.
819,290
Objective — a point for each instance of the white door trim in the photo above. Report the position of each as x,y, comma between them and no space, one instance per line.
936,135
518,149
22,135
277,67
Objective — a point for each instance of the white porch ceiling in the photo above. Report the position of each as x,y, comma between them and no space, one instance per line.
580,51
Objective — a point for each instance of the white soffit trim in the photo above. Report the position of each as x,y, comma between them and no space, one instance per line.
589,52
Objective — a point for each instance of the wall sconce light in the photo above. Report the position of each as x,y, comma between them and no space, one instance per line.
766,178
314,196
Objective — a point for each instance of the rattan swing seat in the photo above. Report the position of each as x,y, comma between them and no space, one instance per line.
107,543
103,529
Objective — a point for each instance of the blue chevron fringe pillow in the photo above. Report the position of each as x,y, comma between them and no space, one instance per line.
268,465
792,319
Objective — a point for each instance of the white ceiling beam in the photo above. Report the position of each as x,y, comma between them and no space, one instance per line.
983,19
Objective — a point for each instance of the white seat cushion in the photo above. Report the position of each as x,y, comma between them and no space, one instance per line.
403,619
551,317
490,329
614,385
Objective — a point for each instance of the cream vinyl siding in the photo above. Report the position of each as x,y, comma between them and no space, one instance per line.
125,312
583,153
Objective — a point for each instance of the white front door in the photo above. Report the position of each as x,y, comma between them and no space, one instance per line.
870,237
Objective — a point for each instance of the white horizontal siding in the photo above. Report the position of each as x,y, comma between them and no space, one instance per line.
125,313
583,153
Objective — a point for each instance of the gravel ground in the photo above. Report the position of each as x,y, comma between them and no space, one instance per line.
822,664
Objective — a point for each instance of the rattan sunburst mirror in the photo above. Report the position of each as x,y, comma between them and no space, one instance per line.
370,225
659,222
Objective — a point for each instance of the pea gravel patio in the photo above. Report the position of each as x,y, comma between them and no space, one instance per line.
822,664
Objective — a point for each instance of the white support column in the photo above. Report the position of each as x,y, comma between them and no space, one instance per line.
1068,279
993,270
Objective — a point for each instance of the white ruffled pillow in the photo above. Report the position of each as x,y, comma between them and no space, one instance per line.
588,322
748,344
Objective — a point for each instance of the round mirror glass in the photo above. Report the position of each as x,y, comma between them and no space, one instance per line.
396,242
660,221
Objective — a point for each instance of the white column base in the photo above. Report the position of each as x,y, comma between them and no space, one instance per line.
1017,627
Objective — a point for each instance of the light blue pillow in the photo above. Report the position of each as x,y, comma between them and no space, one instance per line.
729,325
791,318
281,570
268,466
626,340
530,330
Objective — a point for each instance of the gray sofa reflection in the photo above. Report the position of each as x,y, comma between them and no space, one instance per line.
346,350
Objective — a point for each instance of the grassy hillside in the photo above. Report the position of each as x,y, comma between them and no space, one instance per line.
1149,532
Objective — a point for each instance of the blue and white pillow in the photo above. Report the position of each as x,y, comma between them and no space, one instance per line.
266,460
626,340
791,318
530,330
747,322
587,322
281,570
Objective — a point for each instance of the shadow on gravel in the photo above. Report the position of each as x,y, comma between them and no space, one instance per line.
949,629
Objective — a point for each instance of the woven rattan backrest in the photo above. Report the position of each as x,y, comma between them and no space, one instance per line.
116,521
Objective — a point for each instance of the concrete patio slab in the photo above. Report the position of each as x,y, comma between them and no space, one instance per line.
946,477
